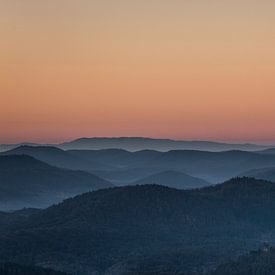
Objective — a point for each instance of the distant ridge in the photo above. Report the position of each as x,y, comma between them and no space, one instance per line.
7,147
143,143
122,167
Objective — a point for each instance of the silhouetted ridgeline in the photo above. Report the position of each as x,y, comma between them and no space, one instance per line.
149,228
140,143
122,167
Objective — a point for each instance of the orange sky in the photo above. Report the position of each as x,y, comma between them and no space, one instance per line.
184,69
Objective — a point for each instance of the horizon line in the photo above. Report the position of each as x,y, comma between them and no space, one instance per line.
65,140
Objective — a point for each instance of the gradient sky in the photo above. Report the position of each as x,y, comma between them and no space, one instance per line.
184,69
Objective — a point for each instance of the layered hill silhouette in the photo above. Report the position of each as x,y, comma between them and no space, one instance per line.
210,166
118,158
213,166
28,182
173,179
7,147
121,230
56,157
122,167
140,143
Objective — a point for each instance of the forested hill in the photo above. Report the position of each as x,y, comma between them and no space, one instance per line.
15,269
110,229
261,262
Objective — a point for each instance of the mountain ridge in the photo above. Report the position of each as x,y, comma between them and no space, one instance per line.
140,143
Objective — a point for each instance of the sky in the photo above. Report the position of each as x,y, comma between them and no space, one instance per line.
181,69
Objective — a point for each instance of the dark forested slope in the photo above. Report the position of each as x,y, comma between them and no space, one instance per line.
15,269
110,229
260,262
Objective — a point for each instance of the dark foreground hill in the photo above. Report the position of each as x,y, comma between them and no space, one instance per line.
27,182
173,179
147,228
260,262
15,269
9,219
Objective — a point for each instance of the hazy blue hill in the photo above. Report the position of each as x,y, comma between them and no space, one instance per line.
210,166
114,157
27,182
268,151
122,177
127,166
56,157
7,147
264,173
139,143
114,229
21,162
120,166
173,179
117,157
